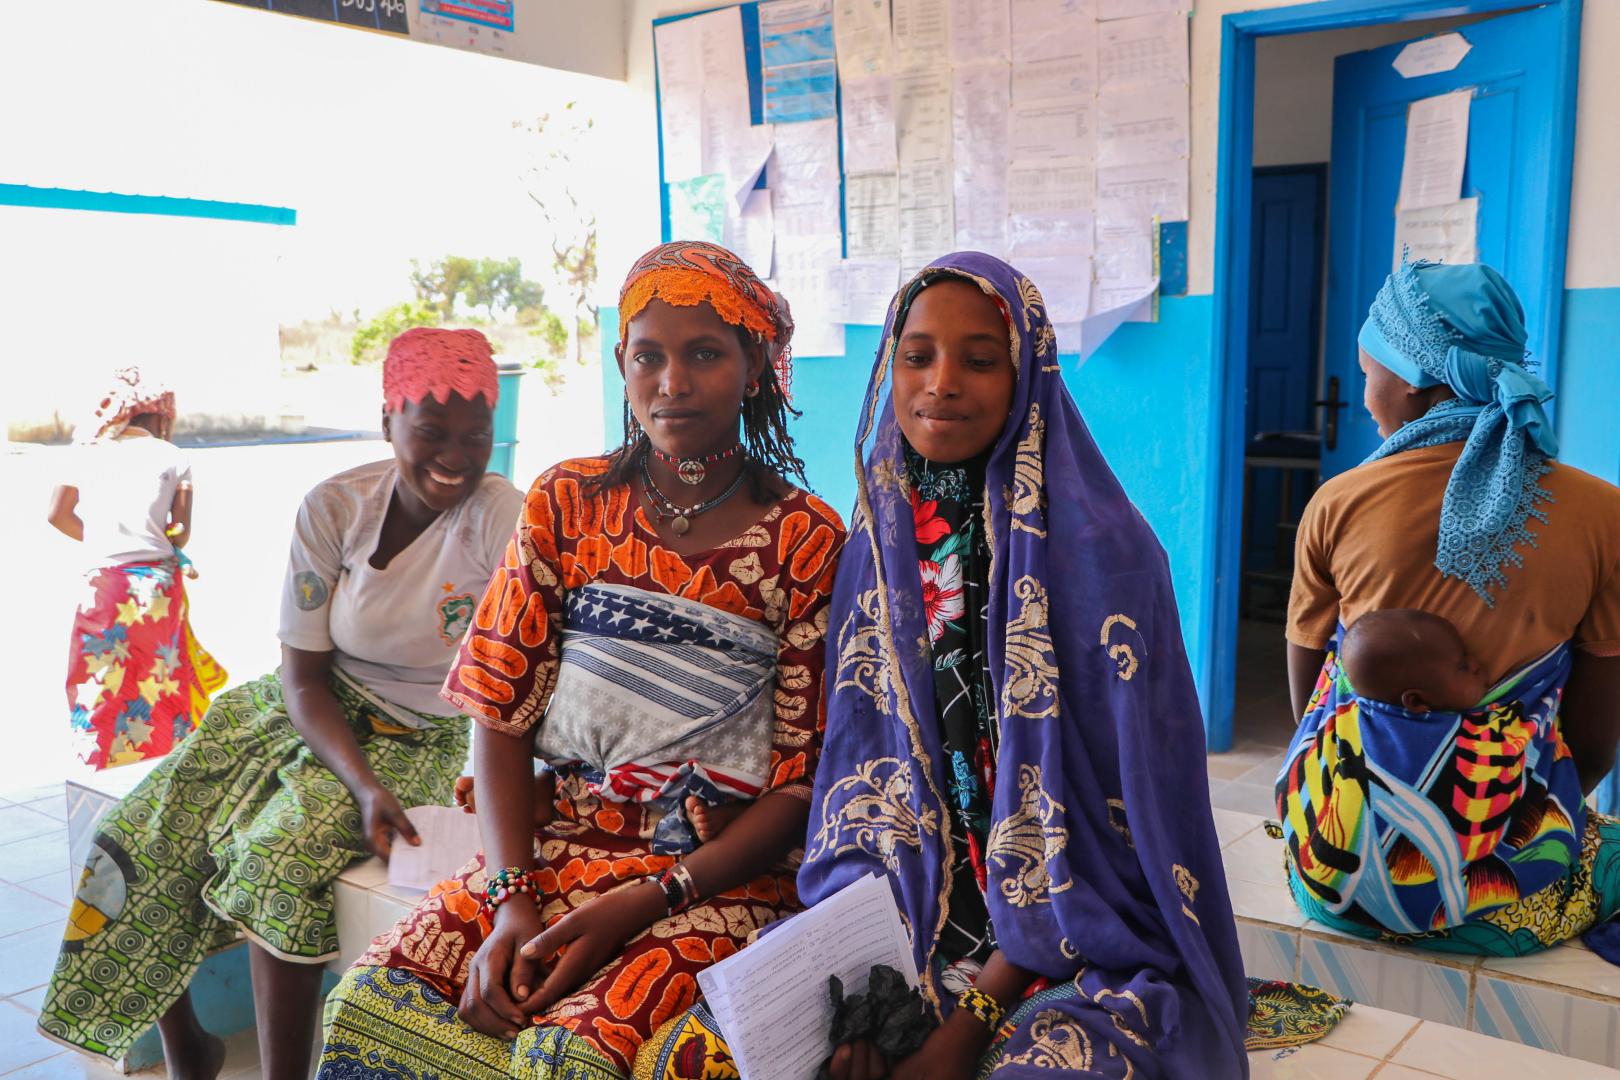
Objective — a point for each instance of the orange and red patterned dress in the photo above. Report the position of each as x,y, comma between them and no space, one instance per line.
393,1015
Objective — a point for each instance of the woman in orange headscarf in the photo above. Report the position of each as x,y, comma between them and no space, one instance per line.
654,637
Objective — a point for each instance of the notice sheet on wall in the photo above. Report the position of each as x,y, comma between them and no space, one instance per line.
1446,233
798,60
1436,150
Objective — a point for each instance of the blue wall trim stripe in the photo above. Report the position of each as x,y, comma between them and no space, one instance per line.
160,205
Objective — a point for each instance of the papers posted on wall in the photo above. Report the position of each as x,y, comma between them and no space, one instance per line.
1051,133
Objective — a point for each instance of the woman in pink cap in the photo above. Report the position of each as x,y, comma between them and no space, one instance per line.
293,776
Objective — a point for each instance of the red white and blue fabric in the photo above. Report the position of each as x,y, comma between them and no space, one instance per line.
658,698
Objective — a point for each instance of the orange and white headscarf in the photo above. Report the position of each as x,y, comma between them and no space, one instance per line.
685,273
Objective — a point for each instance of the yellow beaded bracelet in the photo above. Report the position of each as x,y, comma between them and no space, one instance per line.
982,1006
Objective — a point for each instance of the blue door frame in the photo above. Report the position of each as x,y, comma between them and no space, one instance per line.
1233,195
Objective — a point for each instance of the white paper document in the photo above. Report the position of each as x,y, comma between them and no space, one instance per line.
869,139
702,84
1044,130
449,840
1142,125
872,215
1124,253
1049,208
1436,149
1065,284
1138,192
739,151
1049,29
980,30
803,178
922,114
771,998
864,41
864,288
804,264
1124,9
924,133
1431,56
926,233
751,232
921,30
1112,305
1447,233
979,104
1054,49
1144,51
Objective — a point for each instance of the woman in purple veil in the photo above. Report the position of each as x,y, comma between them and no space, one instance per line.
1013,737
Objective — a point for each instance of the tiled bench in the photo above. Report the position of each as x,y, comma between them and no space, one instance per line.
1417,1014
1566,1000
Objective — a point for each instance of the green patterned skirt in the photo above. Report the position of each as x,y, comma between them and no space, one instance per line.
240,830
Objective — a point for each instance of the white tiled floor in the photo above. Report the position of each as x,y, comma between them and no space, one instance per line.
1372,1043
34,894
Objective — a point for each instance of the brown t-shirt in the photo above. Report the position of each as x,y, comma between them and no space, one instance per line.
1367,540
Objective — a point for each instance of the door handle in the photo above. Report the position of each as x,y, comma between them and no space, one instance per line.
1332,404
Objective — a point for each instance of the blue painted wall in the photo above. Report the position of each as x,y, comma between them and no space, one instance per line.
1146,396
1589,382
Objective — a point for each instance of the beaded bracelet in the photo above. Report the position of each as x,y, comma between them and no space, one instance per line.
507,883
680,891
982,1006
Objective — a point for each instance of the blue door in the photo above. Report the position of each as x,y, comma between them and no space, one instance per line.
1285,293
1516,127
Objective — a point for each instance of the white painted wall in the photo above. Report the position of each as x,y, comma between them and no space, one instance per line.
1594,258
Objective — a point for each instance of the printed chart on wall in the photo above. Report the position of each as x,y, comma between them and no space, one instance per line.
838,146
385,15
488,26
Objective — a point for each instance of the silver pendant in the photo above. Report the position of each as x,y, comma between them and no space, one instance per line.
680,524
691,472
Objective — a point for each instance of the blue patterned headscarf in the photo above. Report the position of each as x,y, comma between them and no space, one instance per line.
1463,326
1102,862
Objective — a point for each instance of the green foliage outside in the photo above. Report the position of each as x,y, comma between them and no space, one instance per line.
493,293
371,340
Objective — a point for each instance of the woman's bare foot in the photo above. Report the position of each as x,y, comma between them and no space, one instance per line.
545,790
710,821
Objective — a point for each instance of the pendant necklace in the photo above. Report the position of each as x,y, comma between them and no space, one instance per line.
680,517
693,470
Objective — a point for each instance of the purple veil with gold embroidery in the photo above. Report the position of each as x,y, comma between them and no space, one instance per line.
1104,870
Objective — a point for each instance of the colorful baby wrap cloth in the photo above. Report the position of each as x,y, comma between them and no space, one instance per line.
1409,823
658,698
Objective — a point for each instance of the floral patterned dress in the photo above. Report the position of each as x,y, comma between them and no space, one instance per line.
947,504
394,1014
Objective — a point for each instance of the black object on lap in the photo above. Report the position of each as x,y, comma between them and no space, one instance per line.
890,1015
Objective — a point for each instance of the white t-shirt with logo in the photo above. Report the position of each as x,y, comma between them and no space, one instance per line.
126,486
394,630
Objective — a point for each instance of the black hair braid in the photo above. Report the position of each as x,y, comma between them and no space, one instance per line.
767,445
